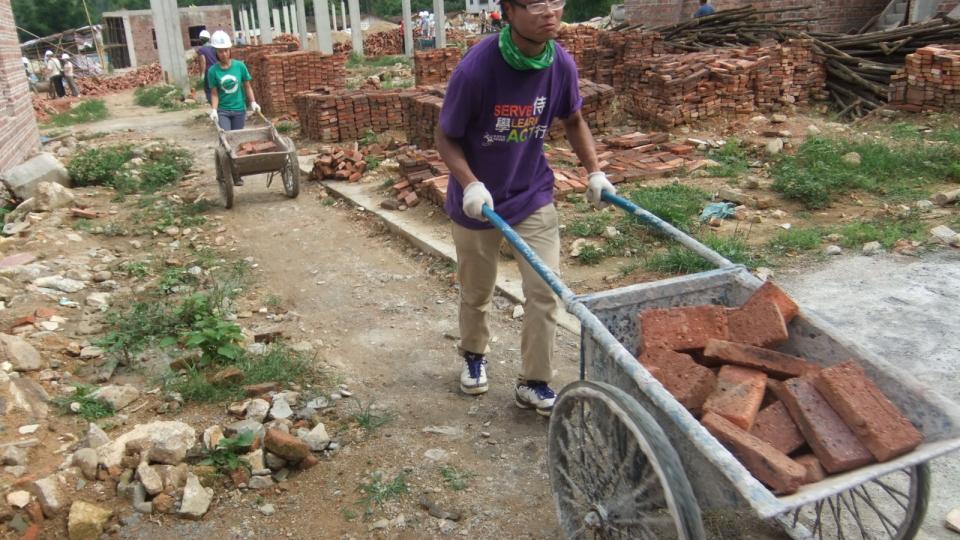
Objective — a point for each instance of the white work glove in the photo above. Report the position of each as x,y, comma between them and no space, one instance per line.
597,183
474,197
254,106
215,116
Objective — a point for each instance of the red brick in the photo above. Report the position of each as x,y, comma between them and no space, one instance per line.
738,395
876,421
758,323
775,427
768,292
815,472
683,328
835,445
775,364
766,463
685,379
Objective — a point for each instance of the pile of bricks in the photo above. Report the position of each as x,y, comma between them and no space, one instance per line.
245,52
257,147
600,54
423,175
581,41
789,421
329,116
675,89
277,78
317,112
422,115
435,66
336,163
930,81
597,107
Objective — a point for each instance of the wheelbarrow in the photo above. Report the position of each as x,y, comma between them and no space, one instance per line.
626,460
231,167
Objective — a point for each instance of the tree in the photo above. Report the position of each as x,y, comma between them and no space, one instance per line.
587,9
45,17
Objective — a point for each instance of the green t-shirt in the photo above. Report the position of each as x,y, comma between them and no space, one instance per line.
229,84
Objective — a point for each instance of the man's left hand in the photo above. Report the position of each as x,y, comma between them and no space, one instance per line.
597,183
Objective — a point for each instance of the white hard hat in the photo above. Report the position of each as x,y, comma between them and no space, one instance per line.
220,40
24,59
65,56
205,34
48,53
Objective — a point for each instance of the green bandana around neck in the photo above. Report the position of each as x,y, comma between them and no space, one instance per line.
521,62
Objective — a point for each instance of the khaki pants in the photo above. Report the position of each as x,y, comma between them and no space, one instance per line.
477,254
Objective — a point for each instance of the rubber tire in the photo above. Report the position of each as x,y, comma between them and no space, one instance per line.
292,169
224,178
674,479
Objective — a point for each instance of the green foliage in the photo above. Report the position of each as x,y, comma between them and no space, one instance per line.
135,269
91,408
226,456
676,204
817,173
677,259
454,478
379,491
99,166
4,210
795,240
592,224
105,166
591,255
732,158
372,162
286,127
92,110
369,419
886,231
166,97
586,10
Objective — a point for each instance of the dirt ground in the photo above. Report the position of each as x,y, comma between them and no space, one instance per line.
384,317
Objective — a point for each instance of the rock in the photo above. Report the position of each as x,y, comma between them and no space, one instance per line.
18,523
953,519
380,524
99,300
86,460
813,130
231,375
60,283
49,196
24,179
317,439
611,232
281,409
774,146
172,231
390,204
255,460
102,276
18,499
96,437
942,233
732,195
174,476
246,425
257,410
28,429
274,461
118,396
151,481
517,312
86,521
165,441
436,454
267,509
778,214
20,354
285,445
163,503
577,247
196,498
47,491
752,182
778,118
851,159
763,273
923,205
13,455
261,482
320,402
833,249
90,352
28,396
212,436
140,502
871,248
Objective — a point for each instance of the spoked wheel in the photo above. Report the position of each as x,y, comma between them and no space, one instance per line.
889,507
291,172
225,178
613,471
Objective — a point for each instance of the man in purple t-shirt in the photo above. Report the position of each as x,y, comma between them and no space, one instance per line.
206,58
498,107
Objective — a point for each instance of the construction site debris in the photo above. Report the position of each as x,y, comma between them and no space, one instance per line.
257,147
336,163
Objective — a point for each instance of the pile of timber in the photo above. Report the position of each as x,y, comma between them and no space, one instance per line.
930,81
435,66
737,27
335,163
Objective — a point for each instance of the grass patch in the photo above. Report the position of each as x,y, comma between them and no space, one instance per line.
370,420
677,259
90,409
92,110
886,231
286,127
795,241
592,224
356,60
676,204
99,166
732,159
454,478
373,162
590,255
165,96
108,167
378,491
898,171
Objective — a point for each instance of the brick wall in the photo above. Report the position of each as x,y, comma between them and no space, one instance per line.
141,25
841,15
18,128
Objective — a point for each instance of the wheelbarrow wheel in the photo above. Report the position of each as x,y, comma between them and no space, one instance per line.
891,506
613,471
225,178
291,171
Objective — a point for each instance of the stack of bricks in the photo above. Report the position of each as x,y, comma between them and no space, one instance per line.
353,115
423,175
279,77
435,66
336,163
581,42
257,147
245,52
789,421
422,117
317,112
930,80
600,54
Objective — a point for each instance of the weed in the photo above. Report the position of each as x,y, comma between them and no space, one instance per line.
368,138
355,60
677,259
79,224
377,491
388,182
886,231
99,166
173,279
629,268
676,204
732,159
135,269
329,201
372,162
454,478
591,254
795,240
166,97
591,224
272,301
226,456
87,111
348,514
217,339
90,409
287,127
369,419
4,210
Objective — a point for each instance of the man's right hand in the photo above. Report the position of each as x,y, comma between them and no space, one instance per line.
475,195
214,116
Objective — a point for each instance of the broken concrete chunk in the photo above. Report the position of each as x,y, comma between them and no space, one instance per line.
86,521
49,196
47,491
24,179
20,354
165,442
196,498
118,396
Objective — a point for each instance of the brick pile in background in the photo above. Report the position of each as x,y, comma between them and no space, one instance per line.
317,112
788,420
597,108
330,117
675,89
245,52
390,42
422,115
335,163
600,54
423,175
435,66
279,77
930,80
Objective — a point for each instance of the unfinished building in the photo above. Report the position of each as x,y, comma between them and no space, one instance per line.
130,40
18,128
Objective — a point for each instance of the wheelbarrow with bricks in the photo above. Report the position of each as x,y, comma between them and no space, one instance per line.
627,459
255,150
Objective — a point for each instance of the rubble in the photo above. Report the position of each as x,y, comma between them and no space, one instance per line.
24,178
87,521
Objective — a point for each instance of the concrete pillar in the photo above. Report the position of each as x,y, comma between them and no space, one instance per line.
244,24
287,28
407,29
356,35
321,18
440,20
333,15
263,17
128,35
277,21
343,14
302,22
166,23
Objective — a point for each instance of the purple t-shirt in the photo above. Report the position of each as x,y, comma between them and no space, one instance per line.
209,55
500,116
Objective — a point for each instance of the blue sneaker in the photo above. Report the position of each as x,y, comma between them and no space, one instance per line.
473,378
535,395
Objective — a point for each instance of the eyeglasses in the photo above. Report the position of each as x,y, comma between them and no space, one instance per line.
539,8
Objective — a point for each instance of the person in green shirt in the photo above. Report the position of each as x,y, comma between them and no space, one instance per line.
230,87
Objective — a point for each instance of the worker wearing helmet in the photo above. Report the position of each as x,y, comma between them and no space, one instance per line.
230,88
68,75
54,71
206,58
